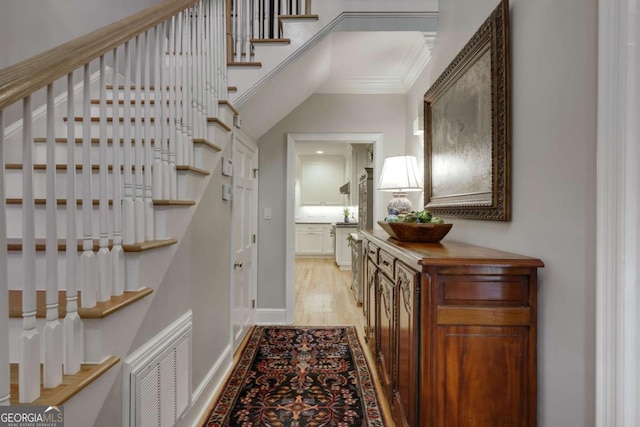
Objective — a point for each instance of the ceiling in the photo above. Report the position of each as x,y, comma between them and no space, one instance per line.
374,62
353,62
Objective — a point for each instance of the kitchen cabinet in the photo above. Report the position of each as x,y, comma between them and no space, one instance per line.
453,330
313,240
356,267
320,180
343,251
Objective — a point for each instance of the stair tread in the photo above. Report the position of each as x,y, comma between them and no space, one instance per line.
232,89
244,64
192,169
271,41
133,87
109,119
96,202
100,311
71,384
15,244
121,101
219,122
161,202
41,139
227,104
298,17
96,167
209,144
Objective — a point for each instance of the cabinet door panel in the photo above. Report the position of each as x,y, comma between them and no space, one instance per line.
310,242
478,362
407,381
369,305
386,345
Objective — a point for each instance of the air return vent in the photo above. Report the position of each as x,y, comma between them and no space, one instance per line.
157,378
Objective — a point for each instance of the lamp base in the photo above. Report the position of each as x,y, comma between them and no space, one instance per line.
399,203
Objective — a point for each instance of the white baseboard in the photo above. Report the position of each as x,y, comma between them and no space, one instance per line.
271,316
208,388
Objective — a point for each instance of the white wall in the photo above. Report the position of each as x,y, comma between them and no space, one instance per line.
51,23
554,81
319,113
198,280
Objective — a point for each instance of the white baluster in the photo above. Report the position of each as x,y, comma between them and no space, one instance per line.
267,19
128,206
237,29
188,89
29,369
72,324
247,28
199,91
193,83
207,62
173,114
138,137
52,333
217,55
255,31
164,111
88,263
147,158
157,178
105,263
223,65
117,253
284,5
180,60
202,67
5,389
275,31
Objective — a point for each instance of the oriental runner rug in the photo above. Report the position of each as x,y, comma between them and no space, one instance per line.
299,376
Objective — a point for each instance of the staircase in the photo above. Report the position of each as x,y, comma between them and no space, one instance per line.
108,144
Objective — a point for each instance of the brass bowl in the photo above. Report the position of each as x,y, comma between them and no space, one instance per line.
415,231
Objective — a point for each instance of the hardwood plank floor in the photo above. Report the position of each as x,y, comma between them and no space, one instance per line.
324,298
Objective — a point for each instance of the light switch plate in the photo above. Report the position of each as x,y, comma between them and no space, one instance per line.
227,192
267,213
227,166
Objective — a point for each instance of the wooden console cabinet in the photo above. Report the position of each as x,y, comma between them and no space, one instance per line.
453,330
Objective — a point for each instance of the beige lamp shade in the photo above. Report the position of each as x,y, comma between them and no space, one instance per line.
400,174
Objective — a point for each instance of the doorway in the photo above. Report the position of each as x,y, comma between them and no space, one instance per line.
292,139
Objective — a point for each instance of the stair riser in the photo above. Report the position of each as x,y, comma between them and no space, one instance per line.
15,269
14,184
95,131
15,219
187,184
95,110
60,154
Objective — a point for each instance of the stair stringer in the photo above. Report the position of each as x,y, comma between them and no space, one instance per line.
333,15
203,246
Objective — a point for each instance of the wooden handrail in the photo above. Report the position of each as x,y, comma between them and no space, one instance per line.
26,77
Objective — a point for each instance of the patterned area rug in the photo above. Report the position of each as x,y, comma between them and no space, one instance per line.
299,376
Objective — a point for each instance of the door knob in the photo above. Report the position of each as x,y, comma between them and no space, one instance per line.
237,264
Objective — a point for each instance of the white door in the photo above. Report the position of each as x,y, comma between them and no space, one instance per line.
245,161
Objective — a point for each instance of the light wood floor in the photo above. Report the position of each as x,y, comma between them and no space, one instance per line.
324,298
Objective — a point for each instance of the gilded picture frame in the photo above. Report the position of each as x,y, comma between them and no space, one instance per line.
467,128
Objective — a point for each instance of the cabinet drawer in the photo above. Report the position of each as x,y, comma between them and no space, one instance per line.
385,263
372,252
484,290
